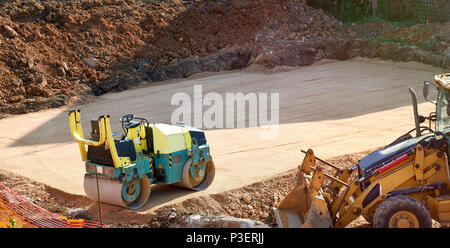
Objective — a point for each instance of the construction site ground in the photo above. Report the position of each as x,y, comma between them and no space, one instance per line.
343,91
334,107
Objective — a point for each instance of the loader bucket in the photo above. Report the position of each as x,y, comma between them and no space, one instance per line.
304,206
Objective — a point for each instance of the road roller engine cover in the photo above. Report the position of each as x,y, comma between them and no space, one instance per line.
125,166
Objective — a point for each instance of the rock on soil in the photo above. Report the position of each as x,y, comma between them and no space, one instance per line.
213,221
8,31
91,62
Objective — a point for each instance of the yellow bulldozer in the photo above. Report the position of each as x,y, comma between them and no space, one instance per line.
405,184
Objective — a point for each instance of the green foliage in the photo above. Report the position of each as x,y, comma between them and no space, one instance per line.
13,223
352,10
395,12
400,42
381,18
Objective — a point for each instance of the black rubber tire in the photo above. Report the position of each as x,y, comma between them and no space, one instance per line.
399,203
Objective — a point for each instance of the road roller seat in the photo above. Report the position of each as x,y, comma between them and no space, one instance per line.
95,131
102,155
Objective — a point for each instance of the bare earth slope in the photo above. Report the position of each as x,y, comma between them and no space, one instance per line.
52,52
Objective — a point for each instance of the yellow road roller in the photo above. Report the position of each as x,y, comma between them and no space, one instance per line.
121,169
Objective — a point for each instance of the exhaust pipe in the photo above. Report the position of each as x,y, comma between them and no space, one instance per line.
416,112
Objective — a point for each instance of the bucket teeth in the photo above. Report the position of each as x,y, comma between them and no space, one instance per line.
302,214
304,206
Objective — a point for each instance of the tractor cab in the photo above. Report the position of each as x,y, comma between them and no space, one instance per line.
438,93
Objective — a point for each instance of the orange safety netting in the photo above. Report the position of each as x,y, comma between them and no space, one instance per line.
30,215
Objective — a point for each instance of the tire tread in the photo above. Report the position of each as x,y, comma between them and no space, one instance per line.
386,208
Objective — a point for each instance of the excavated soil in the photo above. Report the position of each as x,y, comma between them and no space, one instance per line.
53,53
56,53
254,201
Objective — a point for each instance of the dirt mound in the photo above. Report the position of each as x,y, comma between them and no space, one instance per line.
54,52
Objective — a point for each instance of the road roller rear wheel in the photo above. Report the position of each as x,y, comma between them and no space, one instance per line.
197,177
196,174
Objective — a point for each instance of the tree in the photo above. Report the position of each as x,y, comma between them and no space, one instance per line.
374,7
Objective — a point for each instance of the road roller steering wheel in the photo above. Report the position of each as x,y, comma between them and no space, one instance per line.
125,120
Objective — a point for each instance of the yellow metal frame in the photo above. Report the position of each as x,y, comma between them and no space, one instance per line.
105,133
411,173
419,169
136,134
